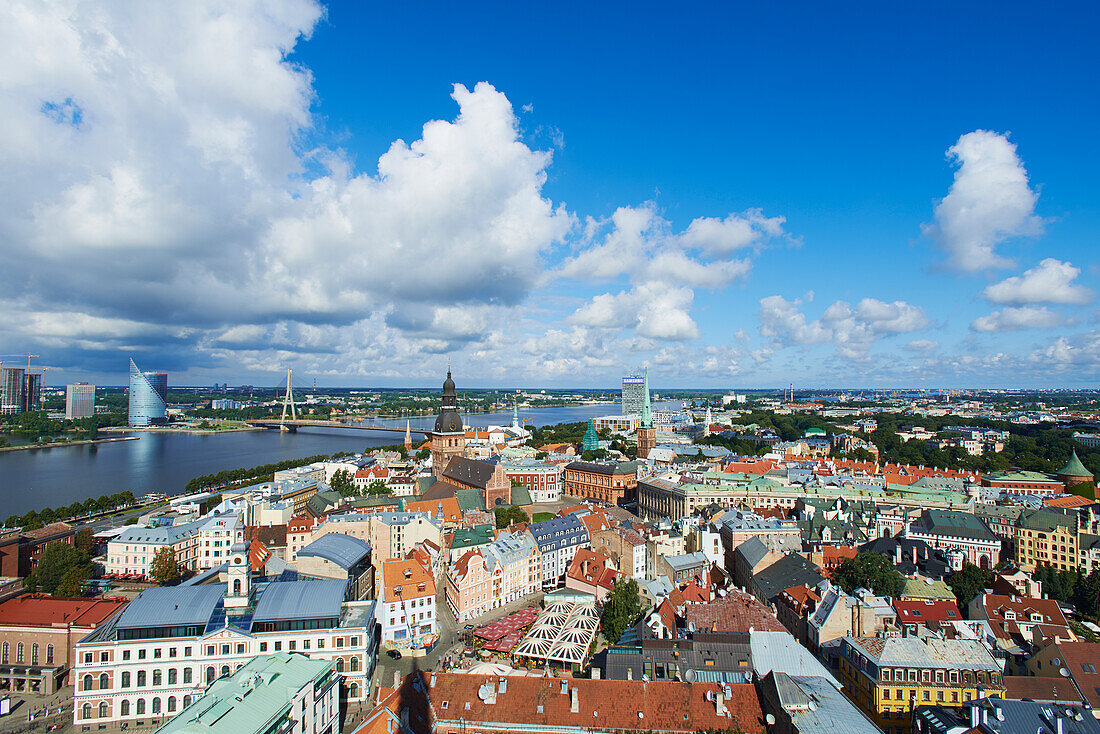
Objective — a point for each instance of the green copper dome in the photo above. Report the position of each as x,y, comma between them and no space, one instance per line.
1074,468
591,441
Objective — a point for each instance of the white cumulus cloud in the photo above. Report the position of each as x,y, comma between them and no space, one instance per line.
1016,318
1051,281
989,201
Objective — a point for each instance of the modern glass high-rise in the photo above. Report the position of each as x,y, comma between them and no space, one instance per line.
79,401
148,397
12,397
634,387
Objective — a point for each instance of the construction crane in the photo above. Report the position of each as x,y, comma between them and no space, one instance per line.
27,396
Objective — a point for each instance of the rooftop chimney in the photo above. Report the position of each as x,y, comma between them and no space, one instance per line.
720,704
975,716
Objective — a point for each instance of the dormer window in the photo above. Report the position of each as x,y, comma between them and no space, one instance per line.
1010,615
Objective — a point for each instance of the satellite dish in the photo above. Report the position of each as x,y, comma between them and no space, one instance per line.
689,676
1063,672
1056,661
770,719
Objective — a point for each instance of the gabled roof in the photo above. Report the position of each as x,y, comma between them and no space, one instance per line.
469,471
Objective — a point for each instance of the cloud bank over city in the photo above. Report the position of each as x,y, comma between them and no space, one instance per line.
174,189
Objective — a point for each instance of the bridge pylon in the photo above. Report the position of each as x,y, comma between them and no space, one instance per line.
288,402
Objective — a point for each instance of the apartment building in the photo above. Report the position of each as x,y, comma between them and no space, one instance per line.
557,540
493,575
888,677
1048,538
407,615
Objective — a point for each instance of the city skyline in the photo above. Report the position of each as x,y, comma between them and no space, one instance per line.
868,197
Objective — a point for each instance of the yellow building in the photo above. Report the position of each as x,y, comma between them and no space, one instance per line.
1045,537
888,677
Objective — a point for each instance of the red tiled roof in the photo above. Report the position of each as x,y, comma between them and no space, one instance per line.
923,611
694,593
56,528
258,554
1069,501
1039,688
300,524
42,610
668,706
735,613
1079,658
592,567
407,575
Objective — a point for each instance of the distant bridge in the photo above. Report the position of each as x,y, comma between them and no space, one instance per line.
291,424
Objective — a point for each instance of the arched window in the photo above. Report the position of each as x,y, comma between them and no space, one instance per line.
49,654
86,683
141,679
210,673
171,704
103,709
34,654
156,705
236,587
353,690
354,664
86,711
186,701
339,665
225,670
140,706
157,676
4,654
171,676
186,675
104,682
19,653
125,679
124,708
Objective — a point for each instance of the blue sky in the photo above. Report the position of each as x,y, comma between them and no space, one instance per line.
731,195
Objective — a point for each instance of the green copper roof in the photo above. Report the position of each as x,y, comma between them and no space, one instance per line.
1074,468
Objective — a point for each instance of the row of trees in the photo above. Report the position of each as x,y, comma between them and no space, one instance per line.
34,519
231,476
37,425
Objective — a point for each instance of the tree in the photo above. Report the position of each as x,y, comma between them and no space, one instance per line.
621,609
164,569
72,583
509,515
84,541
423,454
58,560
968,581
869,570
378,487
342,483
1088,596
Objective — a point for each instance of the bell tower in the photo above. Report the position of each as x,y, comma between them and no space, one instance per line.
449,436
647,434
239,588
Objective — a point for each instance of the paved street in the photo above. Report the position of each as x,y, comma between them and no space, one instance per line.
24,704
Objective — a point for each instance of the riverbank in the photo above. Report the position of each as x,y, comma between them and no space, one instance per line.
190,431
57,444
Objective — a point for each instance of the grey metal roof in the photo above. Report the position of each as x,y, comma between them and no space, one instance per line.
790,570
469,471
171,606
300,600
780,651
343,550
816,706
753,551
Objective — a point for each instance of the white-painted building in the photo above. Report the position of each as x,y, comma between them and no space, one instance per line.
407,615
170,643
